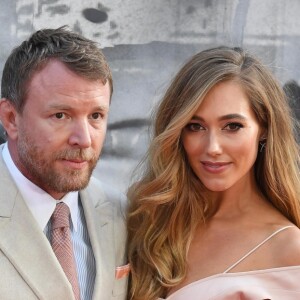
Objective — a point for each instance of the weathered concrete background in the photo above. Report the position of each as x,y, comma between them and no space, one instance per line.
146,42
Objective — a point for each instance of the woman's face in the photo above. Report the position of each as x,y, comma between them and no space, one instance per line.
221,140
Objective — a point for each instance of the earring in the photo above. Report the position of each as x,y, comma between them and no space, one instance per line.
262,145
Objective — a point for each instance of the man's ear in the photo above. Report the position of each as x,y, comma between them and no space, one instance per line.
9,118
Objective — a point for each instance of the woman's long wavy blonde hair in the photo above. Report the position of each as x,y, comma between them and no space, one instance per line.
167,202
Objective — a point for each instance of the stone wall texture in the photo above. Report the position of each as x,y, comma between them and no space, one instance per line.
146,42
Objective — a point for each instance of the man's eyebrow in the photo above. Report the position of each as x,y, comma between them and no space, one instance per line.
60,106
101,107
70,107
222,118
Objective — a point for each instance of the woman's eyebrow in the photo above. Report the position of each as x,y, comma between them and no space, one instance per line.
222,118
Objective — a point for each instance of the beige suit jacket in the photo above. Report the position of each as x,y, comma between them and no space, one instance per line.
28,266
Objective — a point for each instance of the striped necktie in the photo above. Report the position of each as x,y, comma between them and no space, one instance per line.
62,244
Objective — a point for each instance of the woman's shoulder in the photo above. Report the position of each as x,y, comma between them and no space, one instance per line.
286,246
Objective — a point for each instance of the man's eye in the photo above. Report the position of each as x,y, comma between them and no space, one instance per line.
233,126
59,115
96,116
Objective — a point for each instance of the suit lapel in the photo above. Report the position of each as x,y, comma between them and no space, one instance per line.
99,219
25,245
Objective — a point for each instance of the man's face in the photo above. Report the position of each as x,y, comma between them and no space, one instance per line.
61,130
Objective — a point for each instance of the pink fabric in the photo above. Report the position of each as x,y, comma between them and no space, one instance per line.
275,284
62,244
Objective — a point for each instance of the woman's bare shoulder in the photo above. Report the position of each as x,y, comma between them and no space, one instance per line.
286,246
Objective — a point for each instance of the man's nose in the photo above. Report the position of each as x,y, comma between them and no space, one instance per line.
80,134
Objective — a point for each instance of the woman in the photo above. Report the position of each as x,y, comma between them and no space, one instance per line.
215,214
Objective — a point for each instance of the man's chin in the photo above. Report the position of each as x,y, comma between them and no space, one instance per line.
68,183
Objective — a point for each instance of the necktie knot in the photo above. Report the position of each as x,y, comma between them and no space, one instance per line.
60,216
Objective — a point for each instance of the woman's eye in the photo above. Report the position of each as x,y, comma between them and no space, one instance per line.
194,127
233,126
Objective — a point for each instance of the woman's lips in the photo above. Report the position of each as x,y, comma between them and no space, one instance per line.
215,167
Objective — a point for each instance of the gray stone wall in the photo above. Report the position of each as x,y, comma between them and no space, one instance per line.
147,41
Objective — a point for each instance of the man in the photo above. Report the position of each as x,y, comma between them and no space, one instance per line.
62,232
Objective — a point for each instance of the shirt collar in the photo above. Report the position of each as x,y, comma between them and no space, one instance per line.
39,202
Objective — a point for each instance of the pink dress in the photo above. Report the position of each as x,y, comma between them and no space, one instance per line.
270,284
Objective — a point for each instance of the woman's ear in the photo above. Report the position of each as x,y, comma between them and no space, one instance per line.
263,134
9,118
